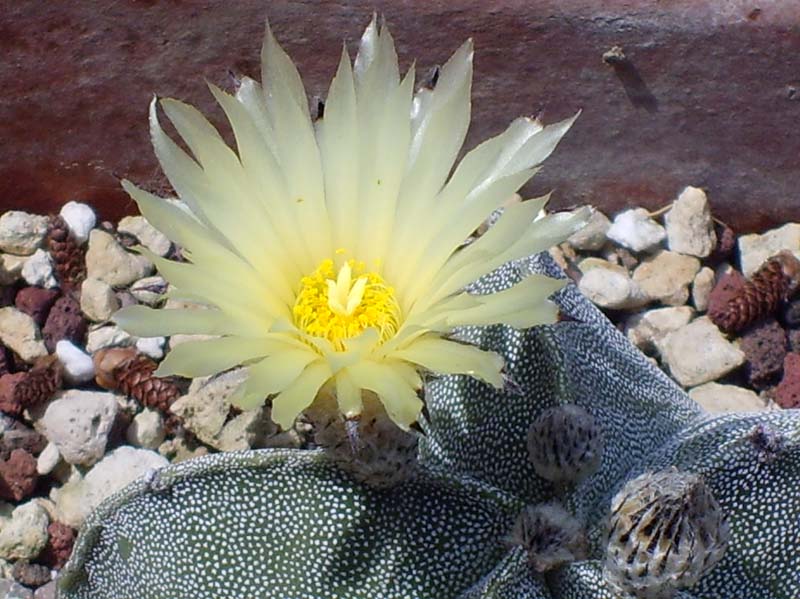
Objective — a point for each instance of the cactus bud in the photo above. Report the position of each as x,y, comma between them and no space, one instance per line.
565,444
665,532
550,535
371,448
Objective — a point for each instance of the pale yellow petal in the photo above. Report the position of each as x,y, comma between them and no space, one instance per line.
449,357
300,394
399,399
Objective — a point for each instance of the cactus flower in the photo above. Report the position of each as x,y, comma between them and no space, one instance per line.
329,252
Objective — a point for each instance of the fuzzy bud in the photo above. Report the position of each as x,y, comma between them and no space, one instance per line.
565,444
550,536
665,532
371,448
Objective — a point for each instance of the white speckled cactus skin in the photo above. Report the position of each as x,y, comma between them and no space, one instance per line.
285,524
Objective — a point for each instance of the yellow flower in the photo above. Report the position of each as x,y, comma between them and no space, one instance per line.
329,255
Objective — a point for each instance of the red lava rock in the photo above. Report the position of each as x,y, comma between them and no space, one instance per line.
30,575
728,287
10,391
764,346
17,435
787,393
18,476
36,302
59,545
65,321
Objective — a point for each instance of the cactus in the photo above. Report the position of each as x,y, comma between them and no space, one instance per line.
288,523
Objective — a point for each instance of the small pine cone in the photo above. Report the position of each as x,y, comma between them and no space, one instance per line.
550,536
125,369
565,444
773,283
664,533
32,388
69,258
371,448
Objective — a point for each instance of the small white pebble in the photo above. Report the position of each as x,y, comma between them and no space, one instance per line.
151,346
38,270
80,219
78,365
48,459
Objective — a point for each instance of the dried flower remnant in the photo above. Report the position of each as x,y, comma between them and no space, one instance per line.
550,536
330,252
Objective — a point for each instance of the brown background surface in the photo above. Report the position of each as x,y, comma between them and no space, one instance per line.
710,95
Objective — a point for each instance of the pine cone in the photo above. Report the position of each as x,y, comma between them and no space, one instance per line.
69,258
773,283
125,369
29,389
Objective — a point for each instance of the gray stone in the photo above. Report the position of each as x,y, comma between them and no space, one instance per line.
108,261
149,290
10,589
666,276
721,399
701,288
609,288
21,233
38,270
698,353
98,300
24,535
755,249
78,423
107,336
591,263
591,237
690,228
20,333
146,430
647,330
148,236
635,230
79,496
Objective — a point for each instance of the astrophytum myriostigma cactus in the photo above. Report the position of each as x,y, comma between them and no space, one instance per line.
275,524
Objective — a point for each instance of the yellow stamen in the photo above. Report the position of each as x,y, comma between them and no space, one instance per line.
337,307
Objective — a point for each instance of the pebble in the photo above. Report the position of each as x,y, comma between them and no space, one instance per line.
204,409
19,332
635,230
79,496
722,399
78,423
108,261
98,300
764,346
728,286
666,276
787,393
146,430
698,353
38,270
10,589
11,268
149,290
78,365
702,285
48,460
36,302
180,448
755,249
80,219
150,237
31,575
246,430
65,321
152,346
18,476
647,330
24,534
107,336
609,288
592,236
47,591
690,228
21,233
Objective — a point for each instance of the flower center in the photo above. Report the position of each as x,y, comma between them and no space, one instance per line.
342,305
